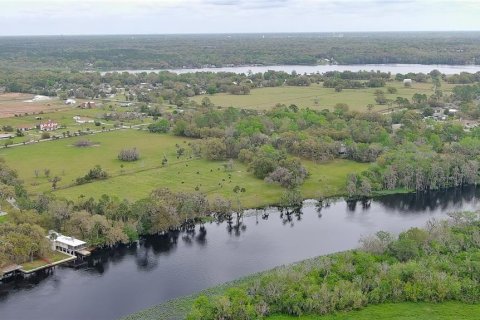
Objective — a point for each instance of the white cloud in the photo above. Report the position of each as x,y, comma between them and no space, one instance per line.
214,16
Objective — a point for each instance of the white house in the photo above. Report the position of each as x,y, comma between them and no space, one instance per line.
70,101
79,119
66,244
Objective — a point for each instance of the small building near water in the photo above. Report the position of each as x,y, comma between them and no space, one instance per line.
66,244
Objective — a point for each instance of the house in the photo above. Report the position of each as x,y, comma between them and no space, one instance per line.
70,101
87,105
25,127
66,244
79,119
6,135
48,126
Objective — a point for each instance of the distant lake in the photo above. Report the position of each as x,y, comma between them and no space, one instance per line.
123,280
393,68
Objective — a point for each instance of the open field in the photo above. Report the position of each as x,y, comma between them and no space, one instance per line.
64,116
53,257
137,179
316,96
403,311
14,103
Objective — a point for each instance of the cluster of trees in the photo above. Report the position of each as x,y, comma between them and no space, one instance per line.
21,242
435,264
129,155
419,155
178,51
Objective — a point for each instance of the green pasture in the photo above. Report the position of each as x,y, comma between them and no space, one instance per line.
137,179
403,311
317,97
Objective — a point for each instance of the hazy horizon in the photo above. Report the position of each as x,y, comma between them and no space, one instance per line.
172,17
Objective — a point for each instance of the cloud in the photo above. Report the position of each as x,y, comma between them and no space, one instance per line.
230,16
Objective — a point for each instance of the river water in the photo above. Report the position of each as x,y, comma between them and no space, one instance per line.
124,280
301,69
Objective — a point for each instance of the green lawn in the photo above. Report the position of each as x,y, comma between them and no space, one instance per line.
53,257
137,179
3,219
316,96
403,311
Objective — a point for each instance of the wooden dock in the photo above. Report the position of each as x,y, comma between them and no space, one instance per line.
9,271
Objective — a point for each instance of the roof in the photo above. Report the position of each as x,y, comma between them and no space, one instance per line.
71,241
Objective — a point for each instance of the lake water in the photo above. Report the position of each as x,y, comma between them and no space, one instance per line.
301,69
121,281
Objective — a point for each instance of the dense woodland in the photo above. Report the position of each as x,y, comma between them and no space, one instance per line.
177,51
435,264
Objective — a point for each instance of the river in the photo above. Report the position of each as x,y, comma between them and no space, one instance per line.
301,69
124,280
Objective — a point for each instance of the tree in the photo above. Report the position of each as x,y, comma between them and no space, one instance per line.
54,182
214,149
161,126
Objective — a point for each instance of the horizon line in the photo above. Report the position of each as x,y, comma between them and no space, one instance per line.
238,33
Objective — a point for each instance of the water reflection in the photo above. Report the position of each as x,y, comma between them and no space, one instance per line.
162,267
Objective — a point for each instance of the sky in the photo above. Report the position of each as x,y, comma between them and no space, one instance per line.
67,17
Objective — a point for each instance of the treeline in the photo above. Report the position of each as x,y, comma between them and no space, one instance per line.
178,51
435,264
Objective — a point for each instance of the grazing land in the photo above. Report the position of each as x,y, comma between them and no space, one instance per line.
317,97
137,179
402,311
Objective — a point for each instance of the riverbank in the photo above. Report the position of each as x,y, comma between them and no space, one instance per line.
182,262
436,274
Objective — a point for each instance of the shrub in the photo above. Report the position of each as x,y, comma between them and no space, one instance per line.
96,173
83,143
45,135
129,155
161,126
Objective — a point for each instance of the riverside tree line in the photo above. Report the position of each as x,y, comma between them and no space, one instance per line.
436,264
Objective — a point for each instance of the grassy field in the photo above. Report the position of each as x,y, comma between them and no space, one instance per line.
403,311
137,179
316,96
53,257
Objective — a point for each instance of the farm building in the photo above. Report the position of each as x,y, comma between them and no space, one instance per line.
87,105
79,119
6,136
407,82
25,127
48,126
70,101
